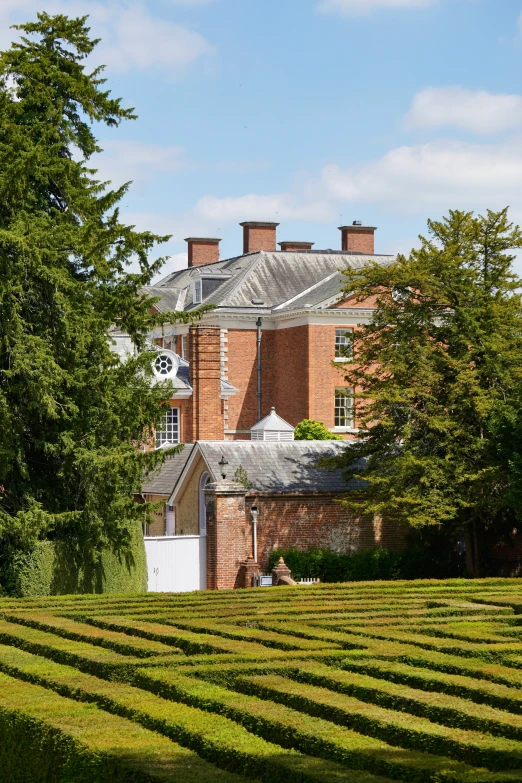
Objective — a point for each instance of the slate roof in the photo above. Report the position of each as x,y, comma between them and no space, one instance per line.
272,278
282,467
164,479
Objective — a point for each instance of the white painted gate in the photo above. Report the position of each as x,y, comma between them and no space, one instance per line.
176,564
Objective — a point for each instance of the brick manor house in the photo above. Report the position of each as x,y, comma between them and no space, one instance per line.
278,325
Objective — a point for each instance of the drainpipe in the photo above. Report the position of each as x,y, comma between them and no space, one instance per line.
254,511
259,324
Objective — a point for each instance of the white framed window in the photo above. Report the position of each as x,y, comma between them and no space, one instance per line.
197,292
344,409
184,346
344,343
167,433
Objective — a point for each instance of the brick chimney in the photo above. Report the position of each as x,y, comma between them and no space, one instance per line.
296,246
259,236
358,238
202,250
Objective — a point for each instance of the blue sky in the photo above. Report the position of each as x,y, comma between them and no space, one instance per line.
309,112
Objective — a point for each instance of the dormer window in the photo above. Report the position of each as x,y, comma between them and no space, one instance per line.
197,292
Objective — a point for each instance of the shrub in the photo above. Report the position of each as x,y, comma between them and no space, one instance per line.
415,562
308,429
58,568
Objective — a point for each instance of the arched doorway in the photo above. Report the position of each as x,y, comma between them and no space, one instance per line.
204,480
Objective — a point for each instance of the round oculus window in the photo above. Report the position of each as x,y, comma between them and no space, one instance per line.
164,364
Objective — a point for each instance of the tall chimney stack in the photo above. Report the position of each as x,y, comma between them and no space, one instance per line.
202,250
259,236
358,238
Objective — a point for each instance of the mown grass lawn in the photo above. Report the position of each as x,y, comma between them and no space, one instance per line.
381,681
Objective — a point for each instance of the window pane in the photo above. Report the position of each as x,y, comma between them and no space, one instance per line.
168,433
344,343
344,413
184,346
197,292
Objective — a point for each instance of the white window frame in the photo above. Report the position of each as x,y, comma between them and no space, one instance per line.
169,434
198,292
346,422
184,346
203,481
341,342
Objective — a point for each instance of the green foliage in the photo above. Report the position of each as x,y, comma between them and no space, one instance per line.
438,374
241,476
308,429
58,567
355,683
416,562
45,738
70,412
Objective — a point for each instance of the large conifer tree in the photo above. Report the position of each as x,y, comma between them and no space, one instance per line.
71,414
438,376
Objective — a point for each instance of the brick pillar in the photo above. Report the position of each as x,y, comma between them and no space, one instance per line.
204,410
248,570
281,574
229,536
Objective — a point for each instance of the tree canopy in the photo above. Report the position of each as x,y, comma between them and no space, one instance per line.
438,376
71,414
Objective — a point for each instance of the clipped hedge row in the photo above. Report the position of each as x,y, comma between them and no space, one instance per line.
57,567
45,738
213,737
366,565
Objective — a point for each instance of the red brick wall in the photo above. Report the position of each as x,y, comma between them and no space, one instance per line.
242,373
316,521
204,414
298,378
301,521
286,381
202,253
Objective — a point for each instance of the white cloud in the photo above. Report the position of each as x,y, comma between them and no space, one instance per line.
443,173
124,160
477,111
278,206
346,7
132,37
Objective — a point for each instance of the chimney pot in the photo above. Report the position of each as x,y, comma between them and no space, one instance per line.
202,250
358,238
259,236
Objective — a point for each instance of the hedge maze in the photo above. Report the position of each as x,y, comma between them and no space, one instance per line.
354,683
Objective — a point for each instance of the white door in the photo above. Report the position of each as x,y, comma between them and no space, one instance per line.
176,564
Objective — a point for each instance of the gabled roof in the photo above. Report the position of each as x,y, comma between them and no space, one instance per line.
277,467
163,479
265,279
